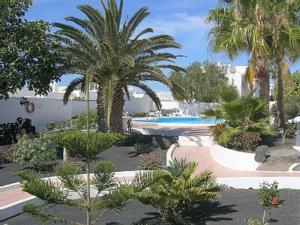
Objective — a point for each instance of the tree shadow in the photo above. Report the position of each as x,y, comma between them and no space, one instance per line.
211,211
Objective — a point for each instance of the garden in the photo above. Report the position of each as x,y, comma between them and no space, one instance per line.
88,170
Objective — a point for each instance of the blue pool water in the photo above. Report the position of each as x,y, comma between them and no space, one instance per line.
182,120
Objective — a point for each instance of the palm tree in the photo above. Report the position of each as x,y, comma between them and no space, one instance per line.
285,35
82,46
239,27
120,57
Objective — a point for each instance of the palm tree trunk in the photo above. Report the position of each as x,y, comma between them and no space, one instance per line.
100,109
280,65
263,77
116,119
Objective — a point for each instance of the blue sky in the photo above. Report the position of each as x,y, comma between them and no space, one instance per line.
183,19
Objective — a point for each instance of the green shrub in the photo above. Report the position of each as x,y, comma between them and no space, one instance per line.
149,161
246,120
77,122
175,190
37,151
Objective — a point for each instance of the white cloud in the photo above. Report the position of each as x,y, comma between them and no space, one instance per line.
178,23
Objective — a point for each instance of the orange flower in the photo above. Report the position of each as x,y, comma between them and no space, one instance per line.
275,202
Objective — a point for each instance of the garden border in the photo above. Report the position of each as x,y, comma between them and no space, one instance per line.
233,159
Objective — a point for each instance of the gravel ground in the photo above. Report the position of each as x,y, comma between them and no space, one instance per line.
234,207
120,156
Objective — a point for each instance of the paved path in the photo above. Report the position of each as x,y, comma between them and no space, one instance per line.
202,156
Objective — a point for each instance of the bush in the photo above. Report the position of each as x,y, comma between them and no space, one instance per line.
37,151
246,120
77,122
149,161
250,140
175,190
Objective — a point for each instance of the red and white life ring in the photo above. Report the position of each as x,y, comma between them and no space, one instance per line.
30,107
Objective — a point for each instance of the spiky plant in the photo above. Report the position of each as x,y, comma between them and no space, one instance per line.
176,190
240,114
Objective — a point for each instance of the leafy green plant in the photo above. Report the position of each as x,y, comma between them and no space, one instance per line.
76,122
149,161
241,115
37,151
175,191
269,198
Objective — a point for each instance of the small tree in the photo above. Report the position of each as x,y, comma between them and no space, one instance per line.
175,191
269,198
72,183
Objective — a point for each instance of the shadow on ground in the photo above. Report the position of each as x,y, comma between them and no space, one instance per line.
210,211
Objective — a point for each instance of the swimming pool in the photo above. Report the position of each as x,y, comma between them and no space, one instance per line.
181,120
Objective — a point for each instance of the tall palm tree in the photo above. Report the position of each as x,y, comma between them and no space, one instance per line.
119,56
284,31
239,27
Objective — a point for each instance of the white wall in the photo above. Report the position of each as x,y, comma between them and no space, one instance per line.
49,109
45,110
141,103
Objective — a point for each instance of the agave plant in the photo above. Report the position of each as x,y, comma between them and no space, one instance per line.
175,190
120,56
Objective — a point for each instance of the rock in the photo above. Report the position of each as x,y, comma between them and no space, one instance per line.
261,153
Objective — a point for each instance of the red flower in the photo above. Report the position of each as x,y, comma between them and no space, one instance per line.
275,202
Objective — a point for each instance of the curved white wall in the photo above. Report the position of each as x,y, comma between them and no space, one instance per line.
233,159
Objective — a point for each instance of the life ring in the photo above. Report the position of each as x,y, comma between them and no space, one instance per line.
30,107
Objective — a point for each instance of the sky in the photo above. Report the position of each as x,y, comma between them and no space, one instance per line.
183,19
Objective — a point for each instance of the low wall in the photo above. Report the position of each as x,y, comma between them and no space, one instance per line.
233,159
